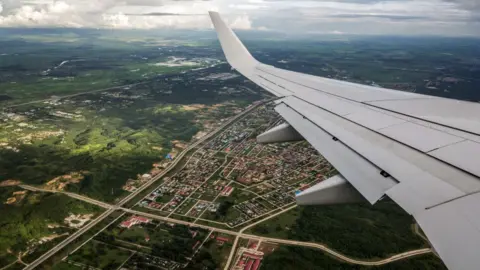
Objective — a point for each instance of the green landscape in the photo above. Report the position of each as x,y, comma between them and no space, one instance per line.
386,228
99,113
305,258
32,216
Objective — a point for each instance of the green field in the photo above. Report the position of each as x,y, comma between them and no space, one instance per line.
99,255
357,230
305,259
27,220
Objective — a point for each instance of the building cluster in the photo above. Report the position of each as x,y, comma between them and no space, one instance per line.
239,131
151,199
249,259
219,76
260,178
183,184
254,208
212,189
276,163
201,206
133,184
67,115
220,239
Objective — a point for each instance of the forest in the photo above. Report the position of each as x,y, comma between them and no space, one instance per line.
357,230
27,219
300,258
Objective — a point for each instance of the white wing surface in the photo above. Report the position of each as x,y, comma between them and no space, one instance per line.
421,151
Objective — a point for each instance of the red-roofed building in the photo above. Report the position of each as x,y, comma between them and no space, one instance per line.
155,205
253,256
256,265
142,219
134,220
249,264
193,233
223,239
195,246
126,224
227,191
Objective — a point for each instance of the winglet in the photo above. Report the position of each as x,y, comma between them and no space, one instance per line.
237,55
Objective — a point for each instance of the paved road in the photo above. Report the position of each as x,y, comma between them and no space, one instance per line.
68,240
234,247
324,248
76,94
112,208
238,235
73,195
340,256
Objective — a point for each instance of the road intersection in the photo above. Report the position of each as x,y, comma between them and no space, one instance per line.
119,206
112,208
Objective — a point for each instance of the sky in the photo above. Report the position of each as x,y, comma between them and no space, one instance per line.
341,17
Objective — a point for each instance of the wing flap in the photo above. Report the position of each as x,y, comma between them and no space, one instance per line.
460,115
362,174
365,143
464,155
453,229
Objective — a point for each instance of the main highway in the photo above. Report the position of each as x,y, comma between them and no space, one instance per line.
112,208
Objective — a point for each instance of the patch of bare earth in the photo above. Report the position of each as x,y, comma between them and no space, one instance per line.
17,196
9,183
61,182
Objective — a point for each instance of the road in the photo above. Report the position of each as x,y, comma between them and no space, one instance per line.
68,240
324,248
73,195
238,235
76,94
112,208
234,247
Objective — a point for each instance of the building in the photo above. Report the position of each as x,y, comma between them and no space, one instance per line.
134,220
227,191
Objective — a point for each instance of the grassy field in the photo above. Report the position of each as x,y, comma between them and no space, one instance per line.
305,258
100,255
27,220
360,230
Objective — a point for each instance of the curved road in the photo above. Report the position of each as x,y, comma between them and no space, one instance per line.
324,248
238,235
112,208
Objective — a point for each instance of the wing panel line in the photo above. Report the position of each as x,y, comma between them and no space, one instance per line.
443,161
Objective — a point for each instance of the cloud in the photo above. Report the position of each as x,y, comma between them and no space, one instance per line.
467,4
242,22
379,16
404,17
163,14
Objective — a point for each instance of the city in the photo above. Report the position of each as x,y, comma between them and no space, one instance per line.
226,182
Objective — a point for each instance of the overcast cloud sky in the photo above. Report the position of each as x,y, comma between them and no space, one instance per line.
397,17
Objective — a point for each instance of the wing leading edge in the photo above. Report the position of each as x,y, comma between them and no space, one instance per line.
420,151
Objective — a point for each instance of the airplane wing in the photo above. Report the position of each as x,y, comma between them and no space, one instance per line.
421,151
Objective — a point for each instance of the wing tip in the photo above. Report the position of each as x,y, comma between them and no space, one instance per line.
235,52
